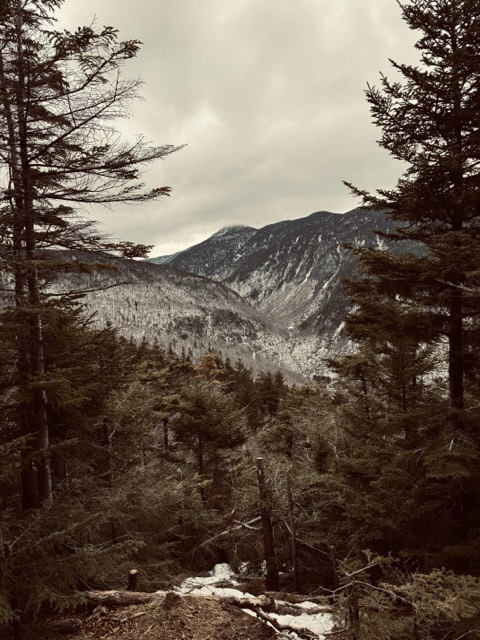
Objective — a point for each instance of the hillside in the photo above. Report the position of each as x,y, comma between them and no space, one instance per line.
292,271
272,297
180,309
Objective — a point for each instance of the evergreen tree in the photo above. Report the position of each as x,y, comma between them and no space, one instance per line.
410,454
246,393
211,421
299,444
59,93
270,390
430,121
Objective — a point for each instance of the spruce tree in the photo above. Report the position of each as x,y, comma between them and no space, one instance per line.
411,451
60,93
429,120
211,421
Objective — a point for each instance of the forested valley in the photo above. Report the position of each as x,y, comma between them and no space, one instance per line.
362,488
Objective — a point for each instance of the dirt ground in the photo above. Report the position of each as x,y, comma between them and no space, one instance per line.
186,618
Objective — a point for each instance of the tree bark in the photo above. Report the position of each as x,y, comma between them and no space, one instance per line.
108,442
293,533
37,356
353,611
200,454
455,355
272,581
166,439
30,351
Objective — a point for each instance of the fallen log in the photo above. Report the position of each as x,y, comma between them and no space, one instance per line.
306,634
268,604
118,598
261,605
127,598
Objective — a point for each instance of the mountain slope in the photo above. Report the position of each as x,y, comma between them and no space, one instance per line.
271,296
292,271
289,269
184,310
214,256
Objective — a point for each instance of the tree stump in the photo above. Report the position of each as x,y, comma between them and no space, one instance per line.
132,580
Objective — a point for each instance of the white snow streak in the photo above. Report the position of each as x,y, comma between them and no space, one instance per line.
317,622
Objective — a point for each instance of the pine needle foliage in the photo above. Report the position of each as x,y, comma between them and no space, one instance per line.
409,409
61,94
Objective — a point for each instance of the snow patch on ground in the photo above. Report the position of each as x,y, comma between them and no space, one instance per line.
316,621
220,574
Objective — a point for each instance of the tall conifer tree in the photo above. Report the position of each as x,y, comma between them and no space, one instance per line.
429,120
60,94
415,314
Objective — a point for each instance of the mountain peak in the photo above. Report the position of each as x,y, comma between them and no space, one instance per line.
232,229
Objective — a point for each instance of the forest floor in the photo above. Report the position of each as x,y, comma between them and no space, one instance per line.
203,608
189,618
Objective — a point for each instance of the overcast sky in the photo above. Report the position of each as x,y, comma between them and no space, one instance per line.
268,96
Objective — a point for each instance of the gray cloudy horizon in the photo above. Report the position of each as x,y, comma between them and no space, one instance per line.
268,96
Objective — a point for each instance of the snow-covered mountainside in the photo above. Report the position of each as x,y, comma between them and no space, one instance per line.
214,256
180,309
271,296
292,271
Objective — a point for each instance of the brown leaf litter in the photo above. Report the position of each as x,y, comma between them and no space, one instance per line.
165,618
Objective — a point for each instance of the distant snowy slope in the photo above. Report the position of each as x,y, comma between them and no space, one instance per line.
184,310
215,256
292,271
271,296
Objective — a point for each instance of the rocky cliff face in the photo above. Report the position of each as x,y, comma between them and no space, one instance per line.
292,272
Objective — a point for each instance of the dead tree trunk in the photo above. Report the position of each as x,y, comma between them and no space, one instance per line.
353,611
293,534
271,582
166,439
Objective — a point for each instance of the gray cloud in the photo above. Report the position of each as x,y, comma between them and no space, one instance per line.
268,96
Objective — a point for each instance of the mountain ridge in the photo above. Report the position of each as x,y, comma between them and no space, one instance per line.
271,296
